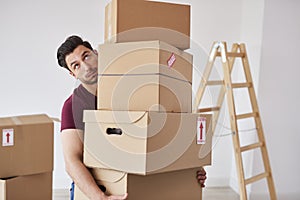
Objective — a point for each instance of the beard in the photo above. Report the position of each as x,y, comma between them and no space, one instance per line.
90,82
90,78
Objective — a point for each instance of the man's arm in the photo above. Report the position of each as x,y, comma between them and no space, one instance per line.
72,143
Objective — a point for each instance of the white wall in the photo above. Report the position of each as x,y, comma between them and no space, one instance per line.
32,82
210,22
251,35
31,31
279,96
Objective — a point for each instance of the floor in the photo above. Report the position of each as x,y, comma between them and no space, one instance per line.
220,193
210,193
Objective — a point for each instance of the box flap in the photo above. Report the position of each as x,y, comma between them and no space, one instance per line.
112,117
25,119
107,175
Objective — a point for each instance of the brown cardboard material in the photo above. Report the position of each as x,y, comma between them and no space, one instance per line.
137,76
33,187
31,149
115,182
151,142
176,185
128,21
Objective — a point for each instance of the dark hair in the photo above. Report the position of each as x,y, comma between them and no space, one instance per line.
68,47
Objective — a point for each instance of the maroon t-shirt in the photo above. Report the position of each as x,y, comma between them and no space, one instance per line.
72,111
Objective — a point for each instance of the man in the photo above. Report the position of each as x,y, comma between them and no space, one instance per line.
81,60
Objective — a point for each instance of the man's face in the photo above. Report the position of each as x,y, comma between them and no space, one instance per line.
83,64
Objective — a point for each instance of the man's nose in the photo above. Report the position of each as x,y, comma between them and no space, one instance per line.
86,66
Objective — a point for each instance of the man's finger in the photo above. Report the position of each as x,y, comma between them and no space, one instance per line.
201,171
201,177
114,197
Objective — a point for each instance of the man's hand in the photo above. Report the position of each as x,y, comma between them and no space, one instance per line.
115,197
201,176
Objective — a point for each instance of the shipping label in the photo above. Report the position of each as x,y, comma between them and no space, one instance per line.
171,60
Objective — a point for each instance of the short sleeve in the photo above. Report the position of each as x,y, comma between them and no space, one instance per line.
67,119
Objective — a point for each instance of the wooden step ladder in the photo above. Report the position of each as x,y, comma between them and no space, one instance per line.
219,49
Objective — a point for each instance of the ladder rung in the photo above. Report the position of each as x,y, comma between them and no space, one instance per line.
247,115
215,82
256,178
203,110
251,146
241,85
230,54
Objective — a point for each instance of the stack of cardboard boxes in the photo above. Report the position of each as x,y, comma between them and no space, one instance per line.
26,157
143,139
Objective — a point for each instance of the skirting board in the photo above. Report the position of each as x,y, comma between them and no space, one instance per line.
294,196
216,182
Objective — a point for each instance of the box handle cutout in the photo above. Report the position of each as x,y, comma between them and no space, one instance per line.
114,131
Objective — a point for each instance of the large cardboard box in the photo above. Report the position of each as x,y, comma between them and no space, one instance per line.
144,76
30,187
146,142
26,145
138,20
178,185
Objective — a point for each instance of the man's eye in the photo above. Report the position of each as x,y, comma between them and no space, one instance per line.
75,66
86,57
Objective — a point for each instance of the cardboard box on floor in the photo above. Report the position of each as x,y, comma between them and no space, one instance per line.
33,187
144,76
177,185
128,21
146,142
26,145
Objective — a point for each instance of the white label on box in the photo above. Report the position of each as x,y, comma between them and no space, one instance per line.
171,60
7,137
201,130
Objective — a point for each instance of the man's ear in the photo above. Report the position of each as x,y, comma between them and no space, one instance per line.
95,51
72,74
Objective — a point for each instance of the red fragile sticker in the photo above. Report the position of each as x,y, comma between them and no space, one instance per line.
7,137
171,60
201,130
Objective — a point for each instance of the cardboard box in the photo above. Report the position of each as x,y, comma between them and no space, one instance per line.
129,21
30,187
26,145
144,76
176,185
146,142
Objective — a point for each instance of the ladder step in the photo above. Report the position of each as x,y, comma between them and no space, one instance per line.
247,115
251,146
230,54
215,82
256,178
203,110
241,85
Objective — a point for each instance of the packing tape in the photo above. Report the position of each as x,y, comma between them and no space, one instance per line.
16,120
55,119
146,74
